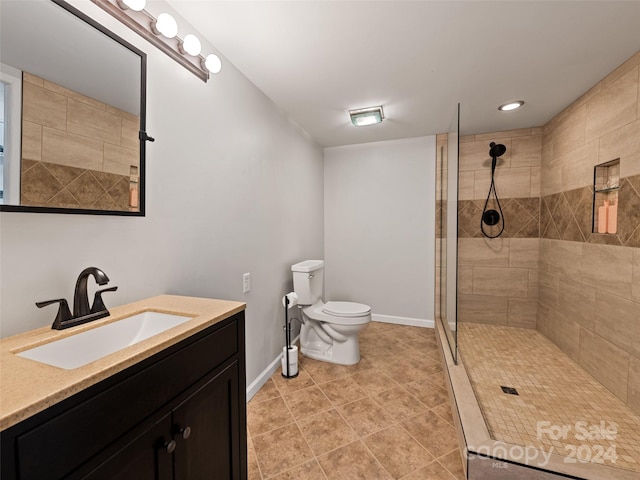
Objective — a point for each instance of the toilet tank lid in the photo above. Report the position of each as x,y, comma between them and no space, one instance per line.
346,309
307,266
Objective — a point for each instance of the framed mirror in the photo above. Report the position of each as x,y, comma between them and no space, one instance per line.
72,103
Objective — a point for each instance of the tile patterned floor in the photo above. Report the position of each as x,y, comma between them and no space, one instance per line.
381,419
552,389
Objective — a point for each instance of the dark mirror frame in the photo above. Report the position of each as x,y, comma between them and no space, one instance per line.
143,137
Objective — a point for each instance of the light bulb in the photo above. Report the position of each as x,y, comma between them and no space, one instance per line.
192,45
511,106
136,5
166,25
213,63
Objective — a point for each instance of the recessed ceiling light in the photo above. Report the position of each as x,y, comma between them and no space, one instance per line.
366,116
511,106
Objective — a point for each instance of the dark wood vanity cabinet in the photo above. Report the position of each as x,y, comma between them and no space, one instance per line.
180,414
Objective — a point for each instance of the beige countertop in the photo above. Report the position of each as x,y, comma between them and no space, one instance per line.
28,387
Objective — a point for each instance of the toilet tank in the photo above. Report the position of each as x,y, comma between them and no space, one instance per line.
308,281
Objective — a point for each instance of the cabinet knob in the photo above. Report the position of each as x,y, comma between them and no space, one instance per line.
170,446
185,432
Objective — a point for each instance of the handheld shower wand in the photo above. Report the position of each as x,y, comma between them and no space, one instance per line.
491,217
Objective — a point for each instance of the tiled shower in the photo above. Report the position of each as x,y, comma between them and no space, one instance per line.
554,272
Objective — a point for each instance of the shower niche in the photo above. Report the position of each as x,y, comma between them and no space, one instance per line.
606,183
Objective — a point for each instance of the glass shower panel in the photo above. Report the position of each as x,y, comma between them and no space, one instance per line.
447,231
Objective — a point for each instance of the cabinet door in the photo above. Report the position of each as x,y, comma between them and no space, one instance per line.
211,449
142,455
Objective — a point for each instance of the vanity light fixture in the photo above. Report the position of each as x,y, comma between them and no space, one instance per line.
163,33
511,106
165,25
366,116
191,45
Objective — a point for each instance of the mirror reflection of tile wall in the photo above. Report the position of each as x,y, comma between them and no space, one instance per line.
77,152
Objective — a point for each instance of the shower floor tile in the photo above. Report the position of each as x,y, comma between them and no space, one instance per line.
559,407
372,420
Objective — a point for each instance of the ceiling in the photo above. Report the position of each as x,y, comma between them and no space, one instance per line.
316,59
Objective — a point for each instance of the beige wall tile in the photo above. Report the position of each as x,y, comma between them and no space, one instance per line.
31,141
577,301
129,133
562,257
119,159
501,281
475,155
27,77
635,278
618,320
465,279
633,394
622,143
534,283
43,107
562,331
524,252
614,107
73,95
491,137
577,166
621,71
570,132
513,182
482,251
522,313
483,309
526,151
548,287
608,267
535,181
466,186
607,363
71,150
94,123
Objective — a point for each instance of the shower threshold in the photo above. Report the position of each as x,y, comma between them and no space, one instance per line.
562,424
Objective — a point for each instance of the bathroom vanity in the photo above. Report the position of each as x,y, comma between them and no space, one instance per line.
170,407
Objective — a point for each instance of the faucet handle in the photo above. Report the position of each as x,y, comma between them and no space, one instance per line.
98,304
64,314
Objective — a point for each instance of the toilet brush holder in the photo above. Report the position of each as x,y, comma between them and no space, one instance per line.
292,372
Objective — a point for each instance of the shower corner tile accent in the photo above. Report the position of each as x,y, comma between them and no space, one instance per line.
522,217
568,216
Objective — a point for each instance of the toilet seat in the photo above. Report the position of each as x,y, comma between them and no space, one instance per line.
346,309
347,314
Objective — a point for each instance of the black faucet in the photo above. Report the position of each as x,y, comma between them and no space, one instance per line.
81,311
80,297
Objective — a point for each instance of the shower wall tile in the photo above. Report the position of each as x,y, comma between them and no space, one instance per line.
608,268
465,279
526,151
524,252
607,363
633,391
577,301
562,331
483,309
623,143
624,330
614,107
635,277
522,313
480,251
502,282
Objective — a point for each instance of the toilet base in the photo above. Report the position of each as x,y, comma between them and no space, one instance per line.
340,353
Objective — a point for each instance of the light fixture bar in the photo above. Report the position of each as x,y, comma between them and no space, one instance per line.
140,22
366,116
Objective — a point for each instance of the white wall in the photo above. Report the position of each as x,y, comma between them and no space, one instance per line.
379,226
233,186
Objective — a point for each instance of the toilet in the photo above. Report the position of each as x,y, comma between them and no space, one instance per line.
329,330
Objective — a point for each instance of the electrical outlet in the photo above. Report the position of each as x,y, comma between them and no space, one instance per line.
246,283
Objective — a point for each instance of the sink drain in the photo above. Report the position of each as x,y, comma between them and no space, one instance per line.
509,390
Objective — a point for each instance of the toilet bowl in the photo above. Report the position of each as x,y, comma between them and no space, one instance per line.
329,330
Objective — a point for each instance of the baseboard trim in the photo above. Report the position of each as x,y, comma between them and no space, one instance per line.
253,388
413,322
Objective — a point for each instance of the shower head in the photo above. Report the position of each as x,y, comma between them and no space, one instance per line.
496,150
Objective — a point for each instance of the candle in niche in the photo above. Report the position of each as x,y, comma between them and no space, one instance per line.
612,217
602,217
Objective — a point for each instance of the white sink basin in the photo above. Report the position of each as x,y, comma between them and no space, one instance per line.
86,347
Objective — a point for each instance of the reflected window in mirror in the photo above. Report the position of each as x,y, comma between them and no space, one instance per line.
74,105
